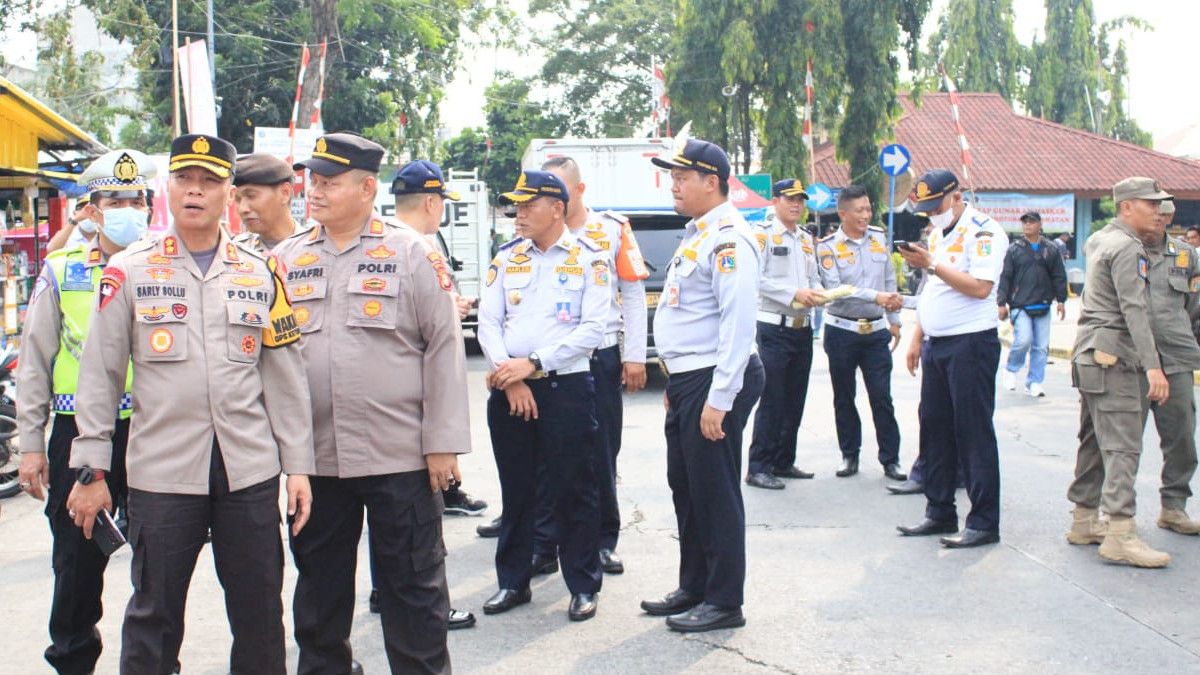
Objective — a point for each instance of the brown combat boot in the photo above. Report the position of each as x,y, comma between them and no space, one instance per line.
1176,520
1121,545
1086,527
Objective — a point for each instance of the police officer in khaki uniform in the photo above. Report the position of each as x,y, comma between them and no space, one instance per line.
1116,365
542,313
263,198
386,371
220,400
47,377
1174,278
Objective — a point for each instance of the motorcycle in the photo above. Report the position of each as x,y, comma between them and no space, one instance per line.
9,459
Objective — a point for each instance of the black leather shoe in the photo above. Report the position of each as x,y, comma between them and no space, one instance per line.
848,468
505,599
610,563
489,530
971,538
373,601
674,602
791,472
908,487
460,619
704,617
928,527
545,564
764,480
893,471
583,606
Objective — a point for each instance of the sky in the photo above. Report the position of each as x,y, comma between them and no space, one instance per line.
1159,101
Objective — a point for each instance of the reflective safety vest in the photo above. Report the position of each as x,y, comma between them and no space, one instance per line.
76,285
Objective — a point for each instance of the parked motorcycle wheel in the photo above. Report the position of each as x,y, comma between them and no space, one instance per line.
10,481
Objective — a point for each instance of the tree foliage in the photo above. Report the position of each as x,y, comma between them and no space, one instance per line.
599,55
976,43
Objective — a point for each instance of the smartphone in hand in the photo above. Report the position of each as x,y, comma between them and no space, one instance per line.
901,245
106,534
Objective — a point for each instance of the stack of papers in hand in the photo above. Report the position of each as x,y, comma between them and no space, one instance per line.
832,294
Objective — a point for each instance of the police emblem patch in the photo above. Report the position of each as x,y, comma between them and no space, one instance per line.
302,315
600,273
1182,259
110,282
252,319
249,344
1194,284
727,261
200,146
983,248
445,281
827,261
179,310
161,340
77,277
1143,267
374,285
125,170
372,308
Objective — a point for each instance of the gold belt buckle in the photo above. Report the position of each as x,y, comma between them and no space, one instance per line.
662,365
864,327
799,322
537,375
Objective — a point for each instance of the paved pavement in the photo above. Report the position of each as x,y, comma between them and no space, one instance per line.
831,586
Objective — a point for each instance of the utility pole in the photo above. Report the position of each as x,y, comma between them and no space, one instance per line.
212,58
175,64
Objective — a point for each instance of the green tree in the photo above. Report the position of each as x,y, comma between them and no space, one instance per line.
976,43
1115,71
69,80
513,119
1065,83
467,151
599,55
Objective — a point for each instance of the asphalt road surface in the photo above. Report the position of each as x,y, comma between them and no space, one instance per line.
830,587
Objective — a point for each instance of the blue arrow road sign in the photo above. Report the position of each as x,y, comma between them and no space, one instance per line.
820,197
894,159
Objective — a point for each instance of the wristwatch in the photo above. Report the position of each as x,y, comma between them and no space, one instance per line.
87,475
932,269
536,361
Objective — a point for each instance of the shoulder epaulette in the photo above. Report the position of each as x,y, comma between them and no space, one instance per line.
988,233
245,247
615,216
590,244
302,232
828,237
876,228
510,243
143,244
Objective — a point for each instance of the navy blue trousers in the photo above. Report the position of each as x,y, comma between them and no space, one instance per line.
958,400
786,355
558,453
606,374
705,480
848,352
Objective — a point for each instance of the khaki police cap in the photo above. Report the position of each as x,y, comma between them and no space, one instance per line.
1139,187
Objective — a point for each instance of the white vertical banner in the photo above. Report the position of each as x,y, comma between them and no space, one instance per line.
195,81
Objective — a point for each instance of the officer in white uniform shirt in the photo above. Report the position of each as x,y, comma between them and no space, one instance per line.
788,287
541,314
704,330
961,351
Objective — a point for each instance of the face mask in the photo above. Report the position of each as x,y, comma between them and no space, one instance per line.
86,226
942,220
125,225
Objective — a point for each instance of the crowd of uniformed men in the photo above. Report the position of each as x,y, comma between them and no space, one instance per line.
177,363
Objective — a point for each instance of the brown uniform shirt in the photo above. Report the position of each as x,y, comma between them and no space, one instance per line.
382,348
204,364
1174,277
1115,317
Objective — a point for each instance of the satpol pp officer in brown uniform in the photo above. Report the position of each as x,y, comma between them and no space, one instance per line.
387,374
221,404
263,198
1116,366
1174,278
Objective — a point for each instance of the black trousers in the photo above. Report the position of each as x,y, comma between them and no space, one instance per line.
404,520
848,351
166,532
786,355
79,566
606,374
705,479
958,400
559,452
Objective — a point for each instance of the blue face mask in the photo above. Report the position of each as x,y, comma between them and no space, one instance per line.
86,226
125,225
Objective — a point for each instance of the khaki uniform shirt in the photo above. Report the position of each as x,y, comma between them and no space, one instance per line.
789,263
205,365
256,242
1174,276
1115,315
382,348
42,336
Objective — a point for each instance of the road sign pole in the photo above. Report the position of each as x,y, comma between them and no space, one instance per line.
891,209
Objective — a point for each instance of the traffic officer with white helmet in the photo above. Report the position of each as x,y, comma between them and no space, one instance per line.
56,327
387,374
620,359
543,310
221,404
263,197
956,311
858,329
704,331
789,287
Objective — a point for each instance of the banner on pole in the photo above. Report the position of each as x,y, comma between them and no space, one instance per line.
195,80
1006,208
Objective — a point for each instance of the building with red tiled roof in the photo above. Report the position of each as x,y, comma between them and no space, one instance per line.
1025,157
